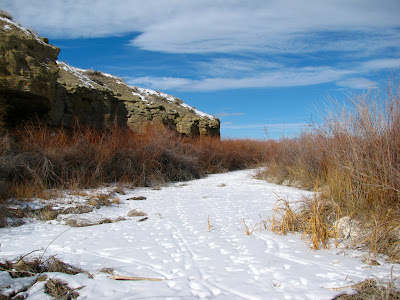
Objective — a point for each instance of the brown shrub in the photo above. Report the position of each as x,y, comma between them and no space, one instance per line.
36,157
217,155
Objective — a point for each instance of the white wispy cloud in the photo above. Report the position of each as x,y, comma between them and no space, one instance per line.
278,78
380,64
243,44
227,114
210,26
357,83
221,67
160,83
222,74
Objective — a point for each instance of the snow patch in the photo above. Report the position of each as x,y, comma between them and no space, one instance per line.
86,81
24,30
110,76
141,92
141,97
173,100
197,112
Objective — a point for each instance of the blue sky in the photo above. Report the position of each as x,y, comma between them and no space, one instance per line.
254,64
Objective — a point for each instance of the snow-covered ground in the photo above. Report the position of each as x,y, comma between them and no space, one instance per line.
175,244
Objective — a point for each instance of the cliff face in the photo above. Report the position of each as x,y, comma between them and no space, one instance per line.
33,83
98,99
28,72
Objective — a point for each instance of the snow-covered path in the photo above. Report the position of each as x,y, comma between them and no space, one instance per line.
176,245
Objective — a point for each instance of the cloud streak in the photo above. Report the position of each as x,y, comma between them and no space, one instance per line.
278,78
243,44
381,64
222,74
211,26
357,83
226,114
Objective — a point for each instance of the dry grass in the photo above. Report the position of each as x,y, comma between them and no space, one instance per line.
136,213
284,220
313,219
316,227
354,155
209,226
35,267
59,290
371,289
26,268
101,200
249,230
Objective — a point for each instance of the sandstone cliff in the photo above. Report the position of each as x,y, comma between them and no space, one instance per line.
98,99
33,83
28,72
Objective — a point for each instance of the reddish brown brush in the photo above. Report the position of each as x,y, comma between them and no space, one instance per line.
36,157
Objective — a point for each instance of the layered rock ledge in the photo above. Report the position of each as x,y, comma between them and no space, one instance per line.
34,84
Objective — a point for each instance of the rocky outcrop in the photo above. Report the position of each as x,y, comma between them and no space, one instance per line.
33,83
78,99
99,99
28,72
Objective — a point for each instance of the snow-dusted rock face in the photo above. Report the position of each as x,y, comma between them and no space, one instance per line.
33,83
98,99
28,71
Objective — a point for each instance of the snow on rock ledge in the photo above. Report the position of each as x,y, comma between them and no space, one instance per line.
33,83
28,72
98,98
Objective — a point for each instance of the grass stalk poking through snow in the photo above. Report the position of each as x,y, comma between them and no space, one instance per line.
310,220
209,224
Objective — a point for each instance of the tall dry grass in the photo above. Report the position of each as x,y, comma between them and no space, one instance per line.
354,155
36,157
